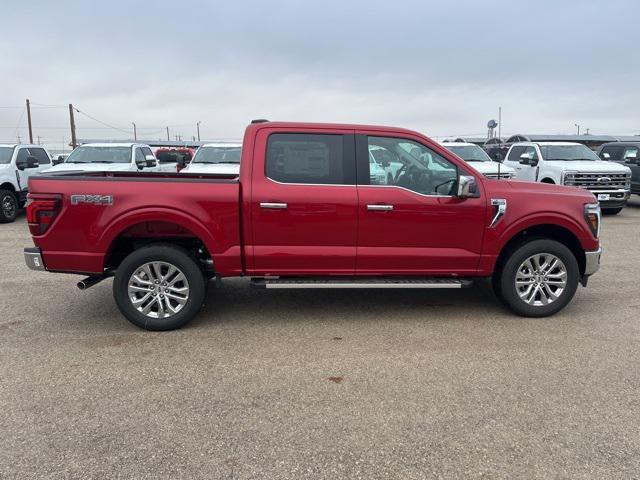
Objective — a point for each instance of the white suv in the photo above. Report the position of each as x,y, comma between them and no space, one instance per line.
572,164
17,164
119,157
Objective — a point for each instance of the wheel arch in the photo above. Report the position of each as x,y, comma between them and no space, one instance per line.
142,228
549,231
548,180
8,186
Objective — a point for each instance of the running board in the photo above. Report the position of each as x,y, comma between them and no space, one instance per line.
361,282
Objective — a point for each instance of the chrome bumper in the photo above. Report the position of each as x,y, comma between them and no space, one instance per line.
592,263
33,259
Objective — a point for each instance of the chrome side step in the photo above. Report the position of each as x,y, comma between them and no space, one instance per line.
354,282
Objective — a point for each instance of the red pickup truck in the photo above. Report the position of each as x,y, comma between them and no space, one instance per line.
312,208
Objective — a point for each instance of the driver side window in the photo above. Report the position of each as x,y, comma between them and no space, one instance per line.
404,163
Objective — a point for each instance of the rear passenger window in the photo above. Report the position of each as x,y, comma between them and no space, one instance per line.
310,159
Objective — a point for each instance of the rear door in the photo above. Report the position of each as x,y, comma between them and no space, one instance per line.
303,203
415,225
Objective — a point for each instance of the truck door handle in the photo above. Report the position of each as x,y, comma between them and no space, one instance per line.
380,208
273,206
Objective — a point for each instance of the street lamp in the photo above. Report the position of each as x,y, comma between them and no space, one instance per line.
576,125
135,133
198,128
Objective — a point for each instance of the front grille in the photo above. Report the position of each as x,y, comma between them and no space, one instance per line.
598,181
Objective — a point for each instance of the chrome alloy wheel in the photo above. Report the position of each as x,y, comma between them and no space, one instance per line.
541,279
158,289
9,206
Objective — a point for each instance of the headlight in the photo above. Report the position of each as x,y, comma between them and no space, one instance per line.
592,216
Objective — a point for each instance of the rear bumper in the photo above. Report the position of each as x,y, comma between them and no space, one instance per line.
592,262
33,259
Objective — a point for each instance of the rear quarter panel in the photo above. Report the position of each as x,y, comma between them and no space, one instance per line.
81,235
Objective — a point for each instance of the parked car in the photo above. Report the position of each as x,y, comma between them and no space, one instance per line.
496,148
627,154
572,164
216,158
383,165
305,213
479,160
112,157
17,164
180,156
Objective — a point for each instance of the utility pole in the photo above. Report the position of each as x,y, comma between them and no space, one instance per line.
168,138
38,139
74,144
576,125
29,122
198,127
587,132
135,133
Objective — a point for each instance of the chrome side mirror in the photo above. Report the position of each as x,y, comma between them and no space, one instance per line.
606,156
468,187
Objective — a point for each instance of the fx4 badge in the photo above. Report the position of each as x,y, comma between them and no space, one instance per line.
92,199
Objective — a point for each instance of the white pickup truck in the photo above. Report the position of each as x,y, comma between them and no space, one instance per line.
112,157
479,160
572,164
216,158
17,163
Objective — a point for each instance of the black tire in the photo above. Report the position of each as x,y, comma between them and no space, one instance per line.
611,211
175,256
505,280
8,206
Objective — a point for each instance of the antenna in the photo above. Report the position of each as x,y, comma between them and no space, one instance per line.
499,138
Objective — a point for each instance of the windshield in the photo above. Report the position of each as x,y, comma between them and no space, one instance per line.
567,153
217,155
470,153
5,155
91,154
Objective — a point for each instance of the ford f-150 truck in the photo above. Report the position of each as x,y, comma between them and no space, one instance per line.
305,212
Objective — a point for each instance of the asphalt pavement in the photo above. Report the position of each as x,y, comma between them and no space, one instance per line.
278,384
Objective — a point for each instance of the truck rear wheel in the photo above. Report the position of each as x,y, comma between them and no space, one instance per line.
160,287
8,206
538,279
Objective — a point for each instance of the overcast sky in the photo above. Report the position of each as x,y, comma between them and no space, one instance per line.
442,68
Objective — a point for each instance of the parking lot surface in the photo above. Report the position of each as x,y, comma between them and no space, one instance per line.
322,384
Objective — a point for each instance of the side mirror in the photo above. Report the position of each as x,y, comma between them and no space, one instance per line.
524,159
57,161
467,187
606,156
631,158
150,161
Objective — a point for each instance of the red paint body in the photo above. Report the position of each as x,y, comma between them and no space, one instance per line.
326,229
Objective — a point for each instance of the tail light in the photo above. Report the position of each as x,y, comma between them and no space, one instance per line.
41,212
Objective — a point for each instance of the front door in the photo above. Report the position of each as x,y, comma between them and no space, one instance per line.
40,154
303,203
525,169
416,225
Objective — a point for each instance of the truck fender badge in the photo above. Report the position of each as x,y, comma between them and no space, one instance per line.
501,203
77,199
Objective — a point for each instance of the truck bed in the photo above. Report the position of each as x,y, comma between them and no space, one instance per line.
96,210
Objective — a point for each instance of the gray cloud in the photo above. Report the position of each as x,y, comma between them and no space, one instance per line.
442,68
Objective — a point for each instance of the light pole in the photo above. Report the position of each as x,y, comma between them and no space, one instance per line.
576,125
198,128
135,133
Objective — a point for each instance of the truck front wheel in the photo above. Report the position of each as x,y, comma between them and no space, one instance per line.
538,279
159,287
8,206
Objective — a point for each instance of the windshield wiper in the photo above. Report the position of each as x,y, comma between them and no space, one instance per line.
102,161
231,162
